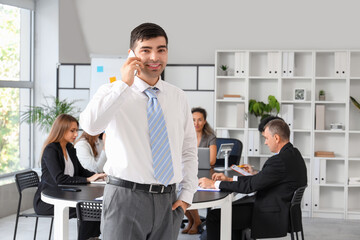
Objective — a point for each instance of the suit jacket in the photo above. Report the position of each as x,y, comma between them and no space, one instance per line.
275,184
53,166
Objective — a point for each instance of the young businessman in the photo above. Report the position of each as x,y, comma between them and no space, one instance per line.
150,144
274,185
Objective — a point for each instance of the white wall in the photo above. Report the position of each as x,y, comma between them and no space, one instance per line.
72,48
46,58
68,31
197,28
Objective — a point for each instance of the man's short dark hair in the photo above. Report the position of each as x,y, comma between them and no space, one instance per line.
263,122
279,127
146,31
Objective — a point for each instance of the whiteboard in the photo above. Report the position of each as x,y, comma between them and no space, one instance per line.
184,77
206,78
104,68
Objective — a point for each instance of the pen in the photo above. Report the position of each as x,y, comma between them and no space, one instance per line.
241,166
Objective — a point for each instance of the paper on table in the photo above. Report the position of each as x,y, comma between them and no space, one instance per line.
99,198
240,170
207,190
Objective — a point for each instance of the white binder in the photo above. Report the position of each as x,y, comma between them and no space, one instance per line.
307,199
240,64
322,171
336,64
287,113
342,64
285,64
291,64
256,143
316,199
316,171
276,64
270,72
251,143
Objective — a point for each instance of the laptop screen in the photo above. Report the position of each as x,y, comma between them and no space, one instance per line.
204,158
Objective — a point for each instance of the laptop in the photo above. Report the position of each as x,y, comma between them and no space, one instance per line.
204,158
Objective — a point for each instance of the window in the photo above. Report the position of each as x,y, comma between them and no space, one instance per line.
15,87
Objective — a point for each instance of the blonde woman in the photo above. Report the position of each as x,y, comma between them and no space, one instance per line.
91,152
60,165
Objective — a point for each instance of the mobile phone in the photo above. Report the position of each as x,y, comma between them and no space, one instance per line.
71,189
132,54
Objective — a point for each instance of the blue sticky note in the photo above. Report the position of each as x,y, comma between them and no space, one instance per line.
100,69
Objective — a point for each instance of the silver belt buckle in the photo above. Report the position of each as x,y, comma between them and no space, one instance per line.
151,186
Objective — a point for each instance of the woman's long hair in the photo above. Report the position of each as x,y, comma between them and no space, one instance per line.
207,130
61,124
91,140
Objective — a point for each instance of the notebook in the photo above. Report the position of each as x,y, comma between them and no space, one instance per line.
204,158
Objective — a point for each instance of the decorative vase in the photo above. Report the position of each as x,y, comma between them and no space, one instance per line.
321,97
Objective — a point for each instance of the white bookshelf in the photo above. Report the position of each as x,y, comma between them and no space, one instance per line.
260,73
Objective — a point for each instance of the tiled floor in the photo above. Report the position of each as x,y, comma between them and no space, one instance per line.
315,229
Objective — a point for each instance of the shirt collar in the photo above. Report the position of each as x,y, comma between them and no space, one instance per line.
142,85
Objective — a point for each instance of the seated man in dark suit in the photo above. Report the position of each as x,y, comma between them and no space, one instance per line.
274,185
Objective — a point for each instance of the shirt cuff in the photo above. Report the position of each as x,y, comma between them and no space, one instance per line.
235,178
186,196
217,184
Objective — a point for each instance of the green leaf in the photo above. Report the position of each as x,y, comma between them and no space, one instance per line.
263,110
353,100
45,115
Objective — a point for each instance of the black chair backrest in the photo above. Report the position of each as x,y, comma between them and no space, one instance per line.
235,154
26,180
298,195
295,210
89,211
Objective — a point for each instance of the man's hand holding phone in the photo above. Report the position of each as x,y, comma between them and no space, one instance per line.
131,67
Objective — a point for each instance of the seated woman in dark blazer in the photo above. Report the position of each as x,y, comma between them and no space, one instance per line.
59,165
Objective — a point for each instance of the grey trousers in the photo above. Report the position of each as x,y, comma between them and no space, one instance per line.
138,215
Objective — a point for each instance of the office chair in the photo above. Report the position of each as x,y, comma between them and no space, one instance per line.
295,213
295,224
235,154
88,211
26,180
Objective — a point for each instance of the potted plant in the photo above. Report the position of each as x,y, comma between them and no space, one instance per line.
262,110
224,69
321,95
356,104
45,115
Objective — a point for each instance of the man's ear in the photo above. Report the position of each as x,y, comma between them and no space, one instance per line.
277,138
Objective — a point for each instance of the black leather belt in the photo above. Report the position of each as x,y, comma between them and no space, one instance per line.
150,188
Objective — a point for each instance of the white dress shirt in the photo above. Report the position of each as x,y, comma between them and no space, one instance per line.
121,111
69,166
86,156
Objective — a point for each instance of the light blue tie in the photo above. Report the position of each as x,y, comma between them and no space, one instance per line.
159,141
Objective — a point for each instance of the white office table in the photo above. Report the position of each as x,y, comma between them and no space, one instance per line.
62,200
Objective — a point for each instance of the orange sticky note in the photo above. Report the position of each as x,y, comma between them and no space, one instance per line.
112,79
